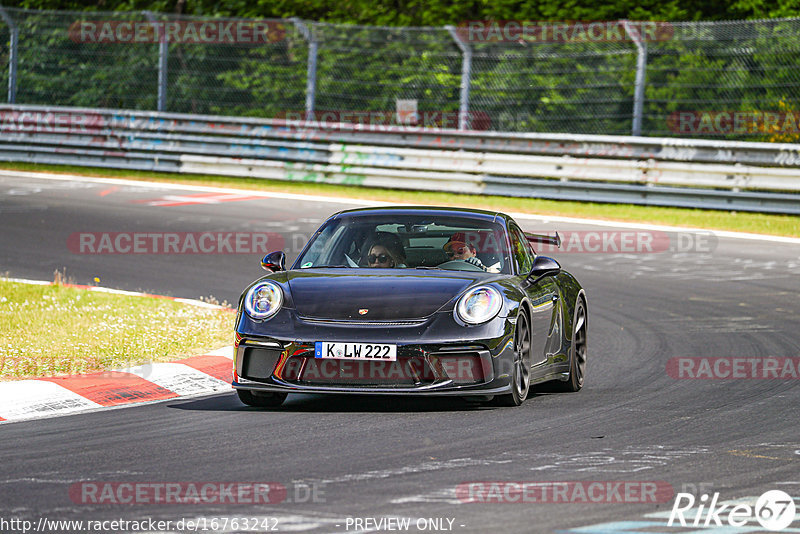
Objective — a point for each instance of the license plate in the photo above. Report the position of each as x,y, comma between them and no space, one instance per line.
355,351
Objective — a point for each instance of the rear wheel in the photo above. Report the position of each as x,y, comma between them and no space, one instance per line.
577,353
521,372
259,399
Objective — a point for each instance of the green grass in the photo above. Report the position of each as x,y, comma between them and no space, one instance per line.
52,330
784,225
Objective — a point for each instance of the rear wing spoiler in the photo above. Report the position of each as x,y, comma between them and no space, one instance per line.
547,239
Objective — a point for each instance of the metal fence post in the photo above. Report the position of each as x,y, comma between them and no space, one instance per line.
466,73
641,67
163,50
12,55
311,72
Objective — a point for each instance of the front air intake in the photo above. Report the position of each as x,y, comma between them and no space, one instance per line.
258,363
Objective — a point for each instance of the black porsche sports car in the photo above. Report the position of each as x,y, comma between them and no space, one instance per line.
412,301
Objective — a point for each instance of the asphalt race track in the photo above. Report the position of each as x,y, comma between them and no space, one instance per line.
347,458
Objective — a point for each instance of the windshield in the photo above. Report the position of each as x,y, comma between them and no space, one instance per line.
408,242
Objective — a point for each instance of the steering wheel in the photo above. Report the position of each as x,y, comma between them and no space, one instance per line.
460,265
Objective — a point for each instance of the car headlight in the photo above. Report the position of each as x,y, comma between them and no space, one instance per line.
479,305
263,300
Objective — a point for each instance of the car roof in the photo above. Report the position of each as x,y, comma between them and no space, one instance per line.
467,213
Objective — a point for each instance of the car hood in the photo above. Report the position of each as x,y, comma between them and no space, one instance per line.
385,295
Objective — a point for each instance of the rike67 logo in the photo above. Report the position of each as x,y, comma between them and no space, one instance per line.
774,511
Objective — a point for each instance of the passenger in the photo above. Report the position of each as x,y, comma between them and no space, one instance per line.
386,252
457,248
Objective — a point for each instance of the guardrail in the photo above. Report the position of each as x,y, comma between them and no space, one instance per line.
742,176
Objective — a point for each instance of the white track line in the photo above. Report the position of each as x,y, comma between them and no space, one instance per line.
225,352
185,187
36,398
99,289
178,378
644,226
365,202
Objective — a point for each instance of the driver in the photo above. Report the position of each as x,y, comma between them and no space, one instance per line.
457,248
386,252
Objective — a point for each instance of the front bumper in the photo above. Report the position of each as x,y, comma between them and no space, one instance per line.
435,356
423,367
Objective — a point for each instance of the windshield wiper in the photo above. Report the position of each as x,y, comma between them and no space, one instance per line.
329,267
428,268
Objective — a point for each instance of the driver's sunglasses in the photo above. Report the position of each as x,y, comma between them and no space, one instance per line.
453,252
380,258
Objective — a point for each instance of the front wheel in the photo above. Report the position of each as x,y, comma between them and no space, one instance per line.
521,373
261,400
577,353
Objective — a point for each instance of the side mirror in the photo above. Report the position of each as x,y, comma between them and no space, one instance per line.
543,266
274,262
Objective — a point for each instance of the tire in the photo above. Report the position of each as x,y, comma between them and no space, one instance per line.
577,352
521,374
261,400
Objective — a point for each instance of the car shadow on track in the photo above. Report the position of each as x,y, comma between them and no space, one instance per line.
304,403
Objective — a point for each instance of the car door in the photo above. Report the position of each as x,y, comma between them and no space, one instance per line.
542,295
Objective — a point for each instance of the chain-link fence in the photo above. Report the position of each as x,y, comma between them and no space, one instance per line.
735,80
